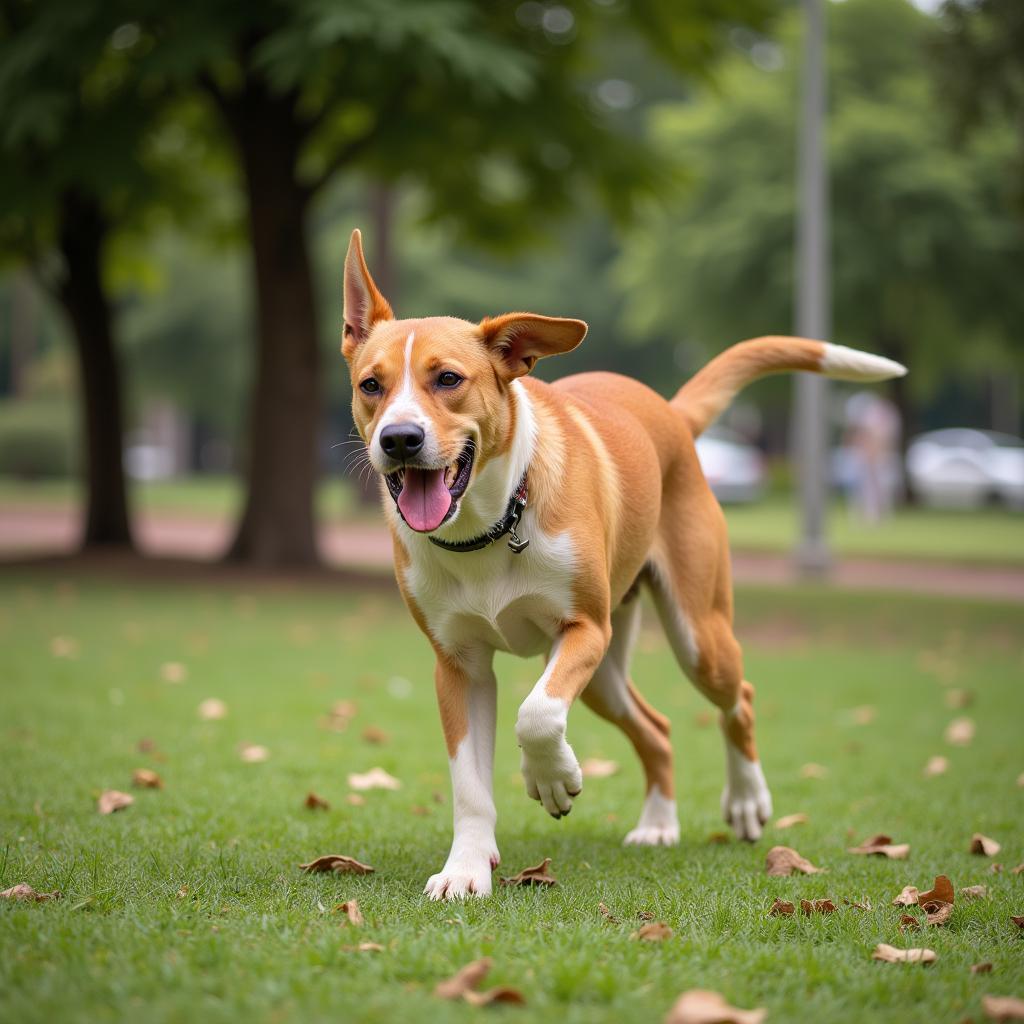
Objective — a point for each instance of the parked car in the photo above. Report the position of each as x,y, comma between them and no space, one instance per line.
733,466
961,468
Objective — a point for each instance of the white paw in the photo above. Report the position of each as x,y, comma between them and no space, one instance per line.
464,875
552,775
658,824
746,801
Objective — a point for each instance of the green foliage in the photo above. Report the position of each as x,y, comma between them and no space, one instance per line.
36,438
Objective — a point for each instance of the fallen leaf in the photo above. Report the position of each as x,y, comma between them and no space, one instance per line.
64,647
355,799
984,846
537,875
607,914
1018,921
939,916
937,765
173,672
909,924
781,908
864,715
253,753
378,737
341,713
959,699
598,768
338,864
375,778
940,892
419,810
809,907
1017,870
146,746
645,915
500,994
960,732
813,771
883,846
781,861
1003,1008
699,1006
25,893
463,985
315,802
892,955
144,778
719,838
996,868
364,947
982,968
350,908
907,898
789,820
1020,781
866,905
213,709
113,800
974,892
653,931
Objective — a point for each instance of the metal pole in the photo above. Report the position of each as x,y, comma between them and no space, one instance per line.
812,296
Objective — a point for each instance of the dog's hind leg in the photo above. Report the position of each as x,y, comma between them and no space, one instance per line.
612,695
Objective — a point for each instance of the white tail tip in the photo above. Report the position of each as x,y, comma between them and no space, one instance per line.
842,363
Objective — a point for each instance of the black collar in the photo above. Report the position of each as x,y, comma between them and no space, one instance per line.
506,524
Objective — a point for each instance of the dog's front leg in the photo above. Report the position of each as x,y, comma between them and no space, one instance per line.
467,698
550,769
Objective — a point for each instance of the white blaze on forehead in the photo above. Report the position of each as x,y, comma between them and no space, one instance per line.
404,408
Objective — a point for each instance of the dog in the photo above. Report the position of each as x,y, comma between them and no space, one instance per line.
526,517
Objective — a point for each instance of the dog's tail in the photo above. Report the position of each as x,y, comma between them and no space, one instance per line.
704,396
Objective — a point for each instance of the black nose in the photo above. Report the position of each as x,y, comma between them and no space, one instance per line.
401,440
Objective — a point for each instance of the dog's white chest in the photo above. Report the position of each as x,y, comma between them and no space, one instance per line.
494,598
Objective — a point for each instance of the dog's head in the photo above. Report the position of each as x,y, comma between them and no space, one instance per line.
430,397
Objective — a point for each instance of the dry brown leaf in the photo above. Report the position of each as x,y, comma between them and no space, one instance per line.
598,768
113,800
907,898
653,931
1003,1008
974,892
212,709
341,713
315,802
500,994
419,810
350,908
789,820
864,715
982,968
253,753
866,905
940,892
64,647
781,908
375,778
960,732
26,894
355,800
939,916
378,737
699,1006
882,846
463,984
996,868
892,955
937,765
144,778
809,907
984,846
909,924
813,771
959,699
338,864
146,746
173,672
537,875
364,947
645,915
1018,921
782,860
1019,869
607,914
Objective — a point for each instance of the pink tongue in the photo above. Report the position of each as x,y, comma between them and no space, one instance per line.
425,499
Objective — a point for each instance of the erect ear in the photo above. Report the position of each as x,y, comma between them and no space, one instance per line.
520,339
364,304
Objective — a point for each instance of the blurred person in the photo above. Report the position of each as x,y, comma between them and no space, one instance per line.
872,429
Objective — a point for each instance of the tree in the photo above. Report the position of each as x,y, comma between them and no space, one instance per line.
477,101
924,253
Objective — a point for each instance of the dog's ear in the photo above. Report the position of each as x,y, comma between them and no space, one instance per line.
520,339
364,304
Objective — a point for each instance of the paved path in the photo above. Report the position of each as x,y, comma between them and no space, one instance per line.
47,530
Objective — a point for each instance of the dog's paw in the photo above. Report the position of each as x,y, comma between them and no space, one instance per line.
746,801
658,824
553,776
463,876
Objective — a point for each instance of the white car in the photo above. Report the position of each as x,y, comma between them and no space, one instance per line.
961,468
734,468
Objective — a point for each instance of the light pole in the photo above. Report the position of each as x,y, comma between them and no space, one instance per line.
812,296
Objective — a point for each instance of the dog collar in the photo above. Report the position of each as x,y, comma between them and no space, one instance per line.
505,525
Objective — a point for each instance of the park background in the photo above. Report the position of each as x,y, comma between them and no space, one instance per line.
179,521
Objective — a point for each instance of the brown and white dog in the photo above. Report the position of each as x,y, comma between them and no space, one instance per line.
525,518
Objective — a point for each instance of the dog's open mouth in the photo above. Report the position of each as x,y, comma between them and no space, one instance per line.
428,497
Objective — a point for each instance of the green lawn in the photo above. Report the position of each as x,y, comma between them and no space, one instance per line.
189,906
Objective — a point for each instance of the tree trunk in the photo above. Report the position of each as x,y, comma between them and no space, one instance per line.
277,527
83,233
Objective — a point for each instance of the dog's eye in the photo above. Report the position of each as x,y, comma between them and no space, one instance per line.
449,379
370,386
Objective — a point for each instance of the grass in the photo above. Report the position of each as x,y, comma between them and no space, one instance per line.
189,905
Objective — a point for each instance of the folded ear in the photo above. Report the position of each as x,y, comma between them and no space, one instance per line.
364,304
520,339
